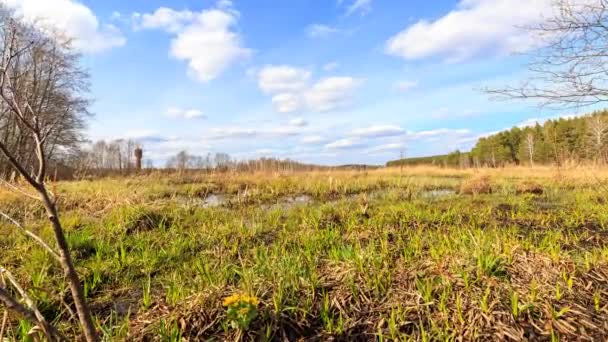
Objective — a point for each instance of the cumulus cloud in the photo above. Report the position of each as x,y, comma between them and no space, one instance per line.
164,18
475,28
291,90
331,93
74,19
282,78
286,103
298,122
206,40
345,144
179,113
377,131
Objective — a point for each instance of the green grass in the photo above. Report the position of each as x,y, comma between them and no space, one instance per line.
370,256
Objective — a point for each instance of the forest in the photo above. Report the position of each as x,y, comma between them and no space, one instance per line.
581,139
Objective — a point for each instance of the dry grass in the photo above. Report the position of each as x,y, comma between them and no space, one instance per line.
530,187
477,185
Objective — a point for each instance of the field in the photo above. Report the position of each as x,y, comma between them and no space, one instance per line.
419,254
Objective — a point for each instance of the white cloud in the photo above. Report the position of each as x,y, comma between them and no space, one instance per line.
238,132
116,16
405,85
178,113
74,19
331,66
144,135
166,19
359,6
533,121
321,31
170,147
475,28
292,92
266,151
274,79
232,133
225,4
377,131
205,40
391,147
344,144
434,133
281,131
298,122
286,103
331,93
313,139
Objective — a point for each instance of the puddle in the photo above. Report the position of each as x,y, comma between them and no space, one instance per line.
301,199
213,201
437,193
289,202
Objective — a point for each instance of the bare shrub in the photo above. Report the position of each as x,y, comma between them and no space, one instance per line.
529,187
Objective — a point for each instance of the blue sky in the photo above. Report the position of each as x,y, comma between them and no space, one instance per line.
323,81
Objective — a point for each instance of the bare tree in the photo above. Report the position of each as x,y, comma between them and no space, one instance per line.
128,147
597,129
31,60
570,69
530,147
182,160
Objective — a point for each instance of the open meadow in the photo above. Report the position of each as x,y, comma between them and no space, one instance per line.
423,254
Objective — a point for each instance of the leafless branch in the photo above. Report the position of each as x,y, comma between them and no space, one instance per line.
32,314
570,68
32,235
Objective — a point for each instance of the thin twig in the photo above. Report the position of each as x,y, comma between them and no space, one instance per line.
30,303
32,235
5,315
3,324
12,304
21,191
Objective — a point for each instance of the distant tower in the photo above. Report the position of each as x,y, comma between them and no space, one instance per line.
139,153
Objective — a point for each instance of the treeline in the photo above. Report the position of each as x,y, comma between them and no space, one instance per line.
455,158
581,139
578,139
118,155
223,162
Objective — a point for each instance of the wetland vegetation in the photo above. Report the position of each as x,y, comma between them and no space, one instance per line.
428,254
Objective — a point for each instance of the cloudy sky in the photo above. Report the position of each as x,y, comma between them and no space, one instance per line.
324,81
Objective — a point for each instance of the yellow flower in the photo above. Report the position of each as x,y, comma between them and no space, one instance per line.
253,301
231,299
241,299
